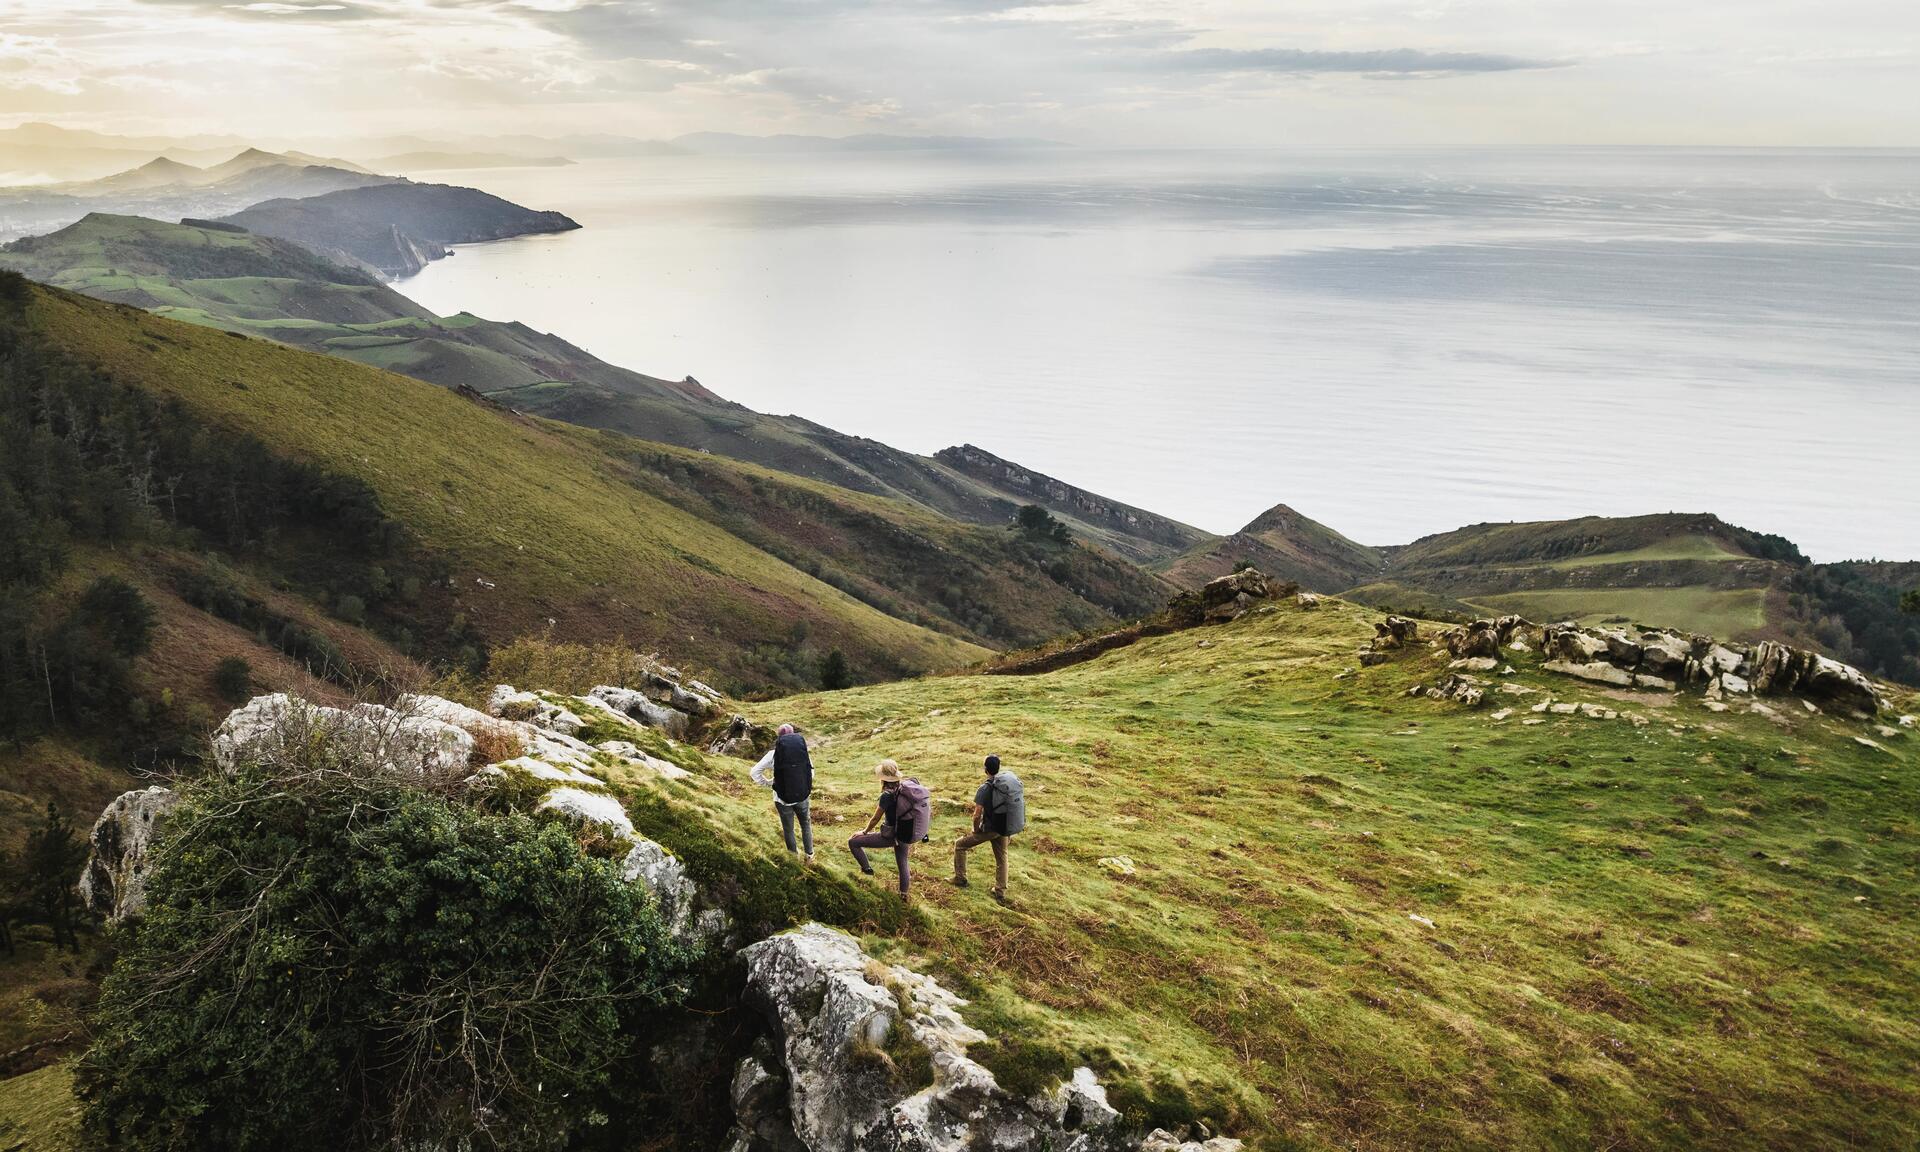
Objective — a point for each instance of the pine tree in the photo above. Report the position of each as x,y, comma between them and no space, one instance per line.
52,867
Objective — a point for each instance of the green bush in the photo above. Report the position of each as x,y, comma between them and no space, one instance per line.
333,960
233,679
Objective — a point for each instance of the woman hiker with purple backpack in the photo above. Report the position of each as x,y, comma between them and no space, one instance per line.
903,813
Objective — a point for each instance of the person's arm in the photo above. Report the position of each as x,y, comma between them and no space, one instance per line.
762,772
873,819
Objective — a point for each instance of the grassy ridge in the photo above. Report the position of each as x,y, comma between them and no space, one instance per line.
539,512
1688,933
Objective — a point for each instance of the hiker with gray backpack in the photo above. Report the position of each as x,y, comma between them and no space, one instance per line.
999,811
904,813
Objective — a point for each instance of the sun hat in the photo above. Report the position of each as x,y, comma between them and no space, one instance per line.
887,770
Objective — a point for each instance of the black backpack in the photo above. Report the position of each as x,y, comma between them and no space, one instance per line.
792,769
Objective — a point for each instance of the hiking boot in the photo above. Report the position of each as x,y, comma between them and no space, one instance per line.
866,871
960,882
809,859
999,897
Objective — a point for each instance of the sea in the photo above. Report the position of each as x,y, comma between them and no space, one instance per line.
1394,343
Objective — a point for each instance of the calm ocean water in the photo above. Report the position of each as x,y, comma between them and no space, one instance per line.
1395,344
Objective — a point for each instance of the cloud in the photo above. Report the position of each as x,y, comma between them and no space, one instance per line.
1383,60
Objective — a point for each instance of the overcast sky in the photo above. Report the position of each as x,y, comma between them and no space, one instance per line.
1228,72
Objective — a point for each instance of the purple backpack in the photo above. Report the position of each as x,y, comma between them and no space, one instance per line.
922,801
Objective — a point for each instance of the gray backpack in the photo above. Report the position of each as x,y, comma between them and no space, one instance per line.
1009,804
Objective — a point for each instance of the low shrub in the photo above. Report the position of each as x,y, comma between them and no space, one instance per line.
332,959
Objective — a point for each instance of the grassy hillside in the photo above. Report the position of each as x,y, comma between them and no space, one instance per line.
1694,572
212,275
1282,543
1351,918
1684,933
536,522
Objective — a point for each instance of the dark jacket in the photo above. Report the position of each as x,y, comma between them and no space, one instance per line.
792,769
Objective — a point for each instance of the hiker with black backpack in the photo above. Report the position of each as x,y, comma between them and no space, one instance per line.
999,811
788,770
904,812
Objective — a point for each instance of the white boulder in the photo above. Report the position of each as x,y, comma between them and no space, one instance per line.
588,808
828,1004
113,883
283,729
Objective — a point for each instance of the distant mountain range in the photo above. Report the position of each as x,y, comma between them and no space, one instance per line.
37,154
164,188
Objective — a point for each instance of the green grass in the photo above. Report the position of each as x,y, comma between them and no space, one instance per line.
542,511
1695,547
1725,612
38,1112
1689,933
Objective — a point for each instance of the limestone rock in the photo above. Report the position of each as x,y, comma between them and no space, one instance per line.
741,737
1484,638
831,1008
633,754
679,897
1571,644
1395,631
279,729
588,808
1598,671
510,703
1307,601
638,706
1232,596
113,883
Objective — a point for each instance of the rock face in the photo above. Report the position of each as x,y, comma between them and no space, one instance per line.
1454,686
639,706
741,737
1389,636
834,1012
1664,661
1232,596
1484,638
113,884
666,877
281,728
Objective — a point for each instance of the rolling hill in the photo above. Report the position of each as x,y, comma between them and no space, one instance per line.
394,228
1283,543
1688,571
1268,891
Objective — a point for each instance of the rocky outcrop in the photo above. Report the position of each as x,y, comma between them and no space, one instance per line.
679,897
639,706
284,730
1235,594
1664,661
1485,638
1394,634
1461,689
741,737
113,883
843,1027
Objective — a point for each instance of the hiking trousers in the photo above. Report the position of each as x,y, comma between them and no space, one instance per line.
973,840
859,845
788,814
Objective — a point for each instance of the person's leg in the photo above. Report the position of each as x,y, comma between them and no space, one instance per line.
961,847
786,822
805,811
859,845
900,854
1000,865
